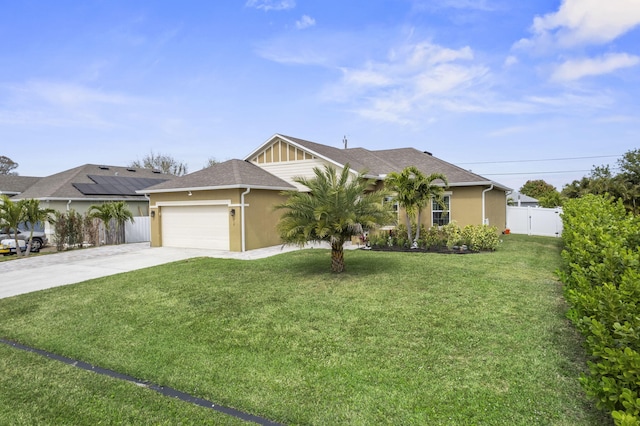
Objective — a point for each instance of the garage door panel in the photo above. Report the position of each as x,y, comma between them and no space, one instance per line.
195,226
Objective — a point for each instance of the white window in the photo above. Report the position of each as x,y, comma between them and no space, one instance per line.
395,208
440,211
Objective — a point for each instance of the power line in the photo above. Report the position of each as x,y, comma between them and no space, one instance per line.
547,159
536,173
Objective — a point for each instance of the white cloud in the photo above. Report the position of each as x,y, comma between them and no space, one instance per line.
268,5
579,68
305,22
416,78
584,22
510,61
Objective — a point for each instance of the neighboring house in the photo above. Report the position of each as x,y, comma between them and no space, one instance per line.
517,199
12,185
230,206
83,186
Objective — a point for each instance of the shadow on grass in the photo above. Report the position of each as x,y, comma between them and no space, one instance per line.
314,262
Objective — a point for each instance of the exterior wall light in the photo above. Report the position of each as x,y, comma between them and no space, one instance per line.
232,212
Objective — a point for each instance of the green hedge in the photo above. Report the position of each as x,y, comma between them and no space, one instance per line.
601,273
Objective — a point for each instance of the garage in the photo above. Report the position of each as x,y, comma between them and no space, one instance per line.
197,226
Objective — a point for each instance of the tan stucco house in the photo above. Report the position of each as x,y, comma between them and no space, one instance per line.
230,206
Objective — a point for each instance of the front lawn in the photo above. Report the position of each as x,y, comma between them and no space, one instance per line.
400,338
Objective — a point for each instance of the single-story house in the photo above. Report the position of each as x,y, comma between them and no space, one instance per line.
517,199
83,186
230,206
12,185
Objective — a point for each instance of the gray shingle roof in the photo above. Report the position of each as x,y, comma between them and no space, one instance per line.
382,162
61,185
12,184
230,174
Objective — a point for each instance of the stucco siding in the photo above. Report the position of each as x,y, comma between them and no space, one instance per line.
262,218
496,208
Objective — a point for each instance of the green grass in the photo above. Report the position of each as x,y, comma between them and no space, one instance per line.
400,338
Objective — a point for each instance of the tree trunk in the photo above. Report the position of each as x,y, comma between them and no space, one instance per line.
418,218
337,257
407,219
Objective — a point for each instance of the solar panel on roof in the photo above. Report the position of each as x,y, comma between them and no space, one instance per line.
115,185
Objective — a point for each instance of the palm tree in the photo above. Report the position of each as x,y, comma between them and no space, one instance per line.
121,215
104,213
414,191
12,214
33,214
116,211
402,185
425,191
336,208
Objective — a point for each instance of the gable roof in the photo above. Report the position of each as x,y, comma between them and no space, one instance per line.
14,185
379,163
63,185
228,175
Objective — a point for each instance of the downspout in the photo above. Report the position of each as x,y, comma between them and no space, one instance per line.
68,204
484,213
242,222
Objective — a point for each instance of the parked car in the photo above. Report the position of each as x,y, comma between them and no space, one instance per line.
8,246
39,238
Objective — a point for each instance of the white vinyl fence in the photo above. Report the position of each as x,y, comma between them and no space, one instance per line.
535,221
138,231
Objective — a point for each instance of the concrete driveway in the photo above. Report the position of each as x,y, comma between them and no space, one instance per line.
25,275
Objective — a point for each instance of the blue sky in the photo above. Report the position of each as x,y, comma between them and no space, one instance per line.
485,84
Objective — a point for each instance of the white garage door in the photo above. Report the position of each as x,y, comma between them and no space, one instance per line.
195,226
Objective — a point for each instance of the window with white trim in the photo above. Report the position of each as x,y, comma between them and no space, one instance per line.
395,207
440,211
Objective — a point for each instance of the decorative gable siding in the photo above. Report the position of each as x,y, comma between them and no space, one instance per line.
287,161
290,169
281,152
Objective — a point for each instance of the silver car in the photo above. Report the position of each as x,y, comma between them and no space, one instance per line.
38,241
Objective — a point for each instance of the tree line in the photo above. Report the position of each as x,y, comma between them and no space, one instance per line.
622,185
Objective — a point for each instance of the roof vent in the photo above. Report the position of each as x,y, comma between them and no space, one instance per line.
156,171
130,169
428,153
103,167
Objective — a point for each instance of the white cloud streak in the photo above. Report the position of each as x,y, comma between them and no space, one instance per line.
578,68
268,5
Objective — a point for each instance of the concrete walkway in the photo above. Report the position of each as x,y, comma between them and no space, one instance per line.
19,276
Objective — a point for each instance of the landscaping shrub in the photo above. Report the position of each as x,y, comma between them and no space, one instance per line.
475,237
601,273
480,237
72,230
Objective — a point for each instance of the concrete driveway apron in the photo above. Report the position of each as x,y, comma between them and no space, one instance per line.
19,276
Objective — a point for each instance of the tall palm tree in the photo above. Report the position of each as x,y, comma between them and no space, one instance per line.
116,211
336,208
425,191
402,185
104,213
121,215
414,191
33,214
11,215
